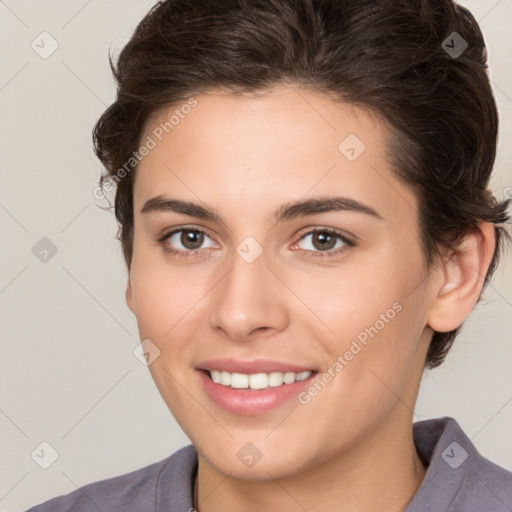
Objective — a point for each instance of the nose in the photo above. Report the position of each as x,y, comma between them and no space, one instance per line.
249,300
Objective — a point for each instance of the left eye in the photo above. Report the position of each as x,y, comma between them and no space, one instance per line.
324,239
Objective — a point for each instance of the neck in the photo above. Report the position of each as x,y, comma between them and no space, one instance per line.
383,475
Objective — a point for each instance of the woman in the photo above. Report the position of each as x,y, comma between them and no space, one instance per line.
302,190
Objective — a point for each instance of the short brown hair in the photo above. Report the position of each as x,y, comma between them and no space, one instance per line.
387,56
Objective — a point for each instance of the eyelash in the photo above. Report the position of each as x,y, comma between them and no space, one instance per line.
313,254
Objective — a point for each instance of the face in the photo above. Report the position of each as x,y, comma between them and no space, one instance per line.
341,290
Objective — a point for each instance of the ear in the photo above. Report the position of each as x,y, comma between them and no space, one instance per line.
461,278
129,295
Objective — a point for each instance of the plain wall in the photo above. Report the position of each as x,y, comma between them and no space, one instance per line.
68,375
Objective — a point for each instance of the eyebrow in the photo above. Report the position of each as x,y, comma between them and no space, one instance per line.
292,210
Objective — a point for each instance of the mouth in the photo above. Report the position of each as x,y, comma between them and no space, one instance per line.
256,381
253,394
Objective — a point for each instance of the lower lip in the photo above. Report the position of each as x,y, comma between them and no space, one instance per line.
251,402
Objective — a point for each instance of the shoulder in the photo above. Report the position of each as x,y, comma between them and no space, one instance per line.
458,478
487,485
133,491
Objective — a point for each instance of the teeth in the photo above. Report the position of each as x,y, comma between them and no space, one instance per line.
256,380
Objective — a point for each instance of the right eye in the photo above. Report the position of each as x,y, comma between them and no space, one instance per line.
188,237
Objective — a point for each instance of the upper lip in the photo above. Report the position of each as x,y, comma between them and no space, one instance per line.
251,366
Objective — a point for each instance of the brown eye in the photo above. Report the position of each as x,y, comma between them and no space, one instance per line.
184,241
324,241
191,239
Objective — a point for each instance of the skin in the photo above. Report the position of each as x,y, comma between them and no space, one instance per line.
246,156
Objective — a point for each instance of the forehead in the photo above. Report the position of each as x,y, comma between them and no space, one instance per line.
301,111
285,142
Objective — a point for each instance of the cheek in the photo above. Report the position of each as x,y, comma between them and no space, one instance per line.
375,314
383,351
349,299
164,295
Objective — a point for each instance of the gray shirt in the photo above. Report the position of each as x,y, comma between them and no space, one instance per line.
458,479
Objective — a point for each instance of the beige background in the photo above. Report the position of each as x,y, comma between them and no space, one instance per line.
68,375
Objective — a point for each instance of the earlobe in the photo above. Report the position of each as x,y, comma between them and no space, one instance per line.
462,277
